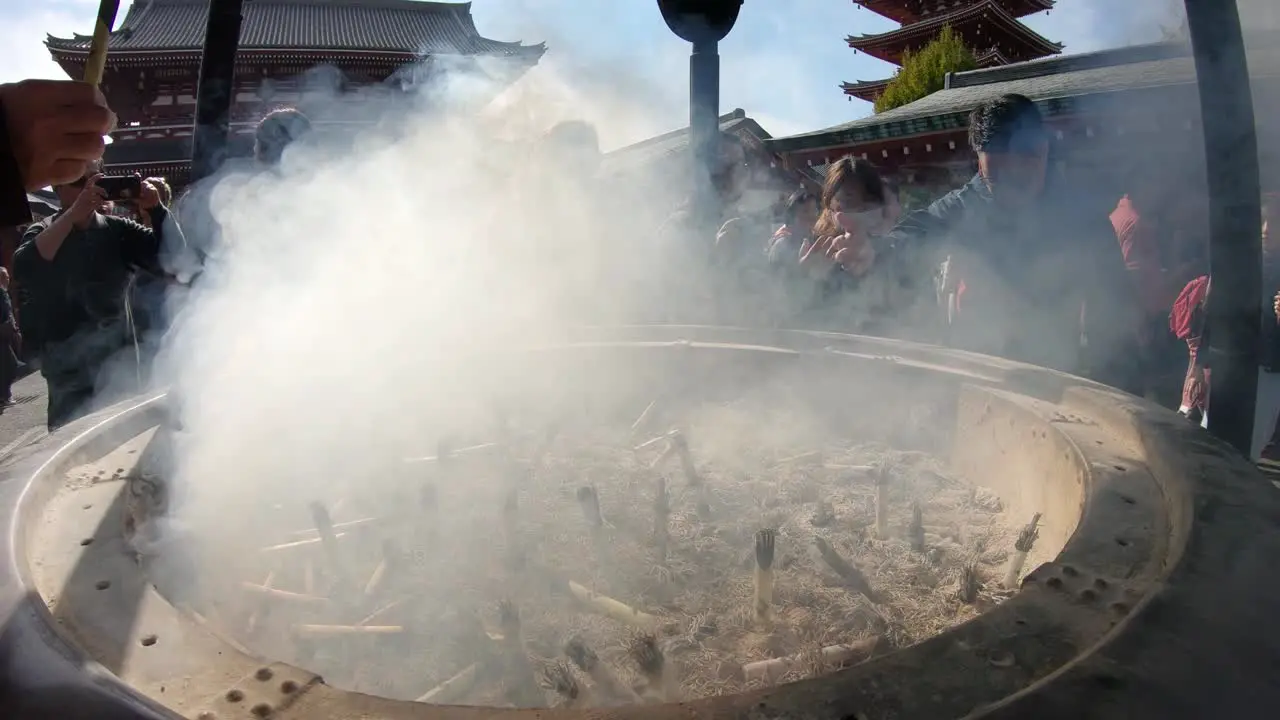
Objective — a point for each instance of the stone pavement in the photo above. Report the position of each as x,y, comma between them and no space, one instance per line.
24,421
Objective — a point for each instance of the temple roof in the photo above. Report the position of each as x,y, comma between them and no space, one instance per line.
909,11
667,144
1060,86
395,26
982,19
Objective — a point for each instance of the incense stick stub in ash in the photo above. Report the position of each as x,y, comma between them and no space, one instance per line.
589,501
765,545
558,678
661,520
1022,546
680,446
832,655
615,609
644,651
915,531
581,654
847,572
881,476
523,688
324,526
970,582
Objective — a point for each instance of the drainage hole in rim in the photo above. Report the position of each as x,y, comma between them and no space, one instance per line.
288,687
1122,542
206,716
86,507
1128,500
149,640
86,541
263,674
261,710
1109,682
1121,468
102,584
234,696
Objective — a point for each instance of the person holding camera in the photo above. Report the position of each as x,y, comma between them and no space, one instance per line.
76,267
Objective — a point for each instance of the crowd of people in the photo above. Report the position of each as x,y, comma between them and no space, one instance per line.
1006,265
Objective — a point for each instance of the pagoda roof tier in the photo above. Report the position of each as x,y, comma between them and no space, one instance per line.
910,11
388,26
869,90
983,25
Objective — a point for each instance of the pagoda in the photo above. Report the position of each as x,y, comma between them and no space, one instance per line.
990,28
324,57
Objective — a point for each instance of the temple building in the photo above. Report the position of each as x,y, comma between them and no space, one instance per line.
656,161
1109,111
325,57
990,28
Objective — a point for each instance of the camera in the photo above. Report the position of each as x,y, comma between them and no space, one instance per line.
121,188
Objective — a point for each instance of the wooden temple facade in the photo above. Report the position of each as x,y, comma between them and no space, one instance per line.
1110,112
327,58
990,28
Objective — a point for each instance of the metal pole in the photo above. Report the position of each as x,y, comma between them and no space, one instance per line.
704,129
1235,234
216,90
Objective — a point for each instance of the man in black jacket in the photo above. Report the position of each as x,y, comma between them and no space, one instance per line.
1024,268
75,267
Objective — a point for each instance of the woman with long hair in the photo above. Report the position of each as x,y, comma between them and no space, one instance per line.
855,203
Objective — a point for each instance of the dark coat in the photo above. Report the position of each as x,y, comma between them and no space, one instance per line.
1046,284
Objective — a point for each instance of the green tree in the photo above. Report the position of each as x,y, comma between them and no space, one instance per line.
924,72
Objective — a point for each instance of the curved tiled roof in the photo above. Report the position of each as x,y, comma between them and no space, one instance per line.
908,11
1059,85
397,26
888,46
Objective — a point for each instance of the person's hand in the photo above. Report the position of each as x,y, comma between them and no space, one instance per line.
852,253
55,128
90,200
1275,306
148,196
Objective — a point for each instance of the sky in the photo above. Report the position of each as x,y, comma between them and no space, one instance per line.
783,62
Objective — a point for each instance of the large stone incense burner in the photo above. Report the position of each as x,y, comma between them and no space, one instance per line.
684,521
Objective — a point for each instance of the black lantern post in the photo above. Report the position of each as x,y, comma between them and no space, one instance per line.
1234,309
216,90
703,23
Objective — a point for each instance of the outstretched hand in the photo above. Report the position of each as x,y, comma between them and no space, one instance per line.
55,128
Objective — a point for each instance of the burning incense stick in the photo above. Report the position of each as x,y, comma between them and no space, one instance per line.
680,447
765,542
775,669
297,544
1022,546
609,607
453,688
581,654
389,554
310,533
96,62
